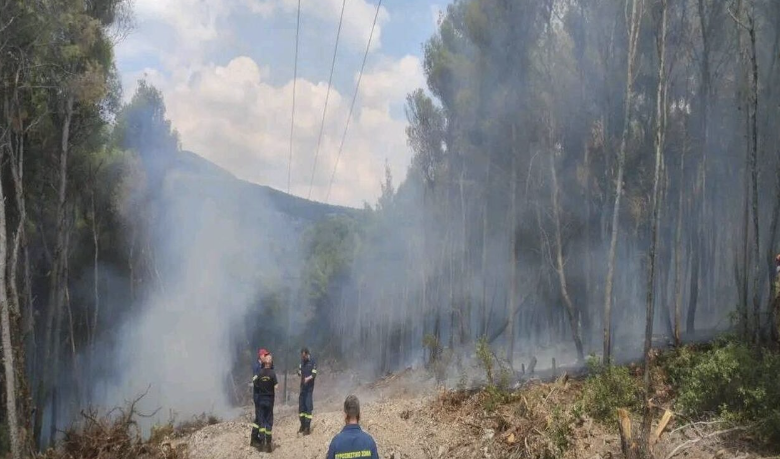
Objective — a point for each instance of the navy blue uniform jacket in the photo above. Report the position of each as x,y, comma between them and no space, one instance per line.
352,443
306,369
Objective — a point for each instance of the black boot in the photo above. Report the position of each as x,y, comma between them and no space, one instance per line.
303,424
254,440
269,444
307,427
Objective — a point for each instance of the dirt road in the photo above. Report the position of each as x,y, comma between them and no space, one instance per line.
393,412
410,419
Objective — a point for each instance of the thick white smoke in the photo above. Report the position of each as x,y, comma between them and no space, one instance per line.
211,254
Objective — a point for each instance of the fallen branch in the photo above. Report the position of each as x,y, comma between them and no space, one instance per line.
696,440
667,417
694,426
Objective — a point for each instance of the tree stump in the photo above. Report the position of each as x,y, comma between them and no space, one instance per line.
628,443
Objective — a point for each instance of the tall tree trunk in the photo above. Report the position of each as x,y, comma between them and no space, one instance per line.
633,36
772,234
512,300
588,324
659,146
8,349
95,284
485,206
754,173
571,311
693,300
705,25
744,308
465,304
55,290
678,272
62,303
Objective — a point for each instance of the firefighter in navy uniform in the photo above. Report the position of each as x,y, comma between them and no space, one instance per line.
256,438
308,373
352,442
266,383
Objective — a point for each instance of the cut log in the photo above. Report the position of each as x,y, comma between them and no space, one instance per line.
665,419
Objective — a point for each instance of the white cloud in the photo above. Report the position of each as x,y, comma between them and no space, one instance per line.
194,21
234,117
391,81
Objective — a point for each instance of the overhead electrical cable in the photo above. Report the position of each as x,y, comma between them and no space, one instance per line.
354,98
295,78
327,96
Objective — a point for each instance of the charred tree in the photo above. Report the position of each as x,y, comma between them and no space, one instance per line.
512,299
571,310
660,125
633,37
7,340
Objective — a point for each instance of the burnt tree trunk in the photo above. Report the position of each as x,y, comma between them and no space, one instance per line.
571,311
659,146
12,417
633,37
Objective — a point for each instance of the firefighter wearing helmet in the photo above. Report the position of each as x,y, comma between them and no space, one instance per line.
264,384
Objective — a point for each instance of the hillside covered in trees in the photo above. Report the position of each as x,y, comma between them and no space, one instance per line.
588,177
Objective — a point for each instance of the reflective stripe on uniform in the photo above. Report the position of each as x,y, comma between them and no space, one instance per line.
307,416
255,426
353,454
314,372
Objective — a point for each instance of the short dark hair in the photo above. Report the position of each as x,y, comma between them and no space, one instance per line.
305,350
352,407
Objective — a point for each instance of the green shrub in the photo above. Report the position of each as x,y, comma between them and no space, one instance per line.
732,381
499,377
560,431
496,397
438,359
485,358
607,389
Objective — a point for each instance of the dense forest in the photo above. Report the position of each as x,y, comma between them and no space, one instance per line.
574,163
579,166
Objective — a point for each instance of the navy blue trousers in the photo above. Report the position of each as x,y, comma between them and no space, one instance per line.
305,407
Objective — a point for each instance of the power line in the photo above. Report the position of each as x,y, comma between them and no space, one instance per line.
354,98
295,78
327,96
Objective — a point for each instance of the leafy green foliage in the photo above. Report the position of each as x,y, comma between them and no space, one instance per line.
497,389
330,248
485,358
438,358
495,397
731,380
609,388
142,125
559,430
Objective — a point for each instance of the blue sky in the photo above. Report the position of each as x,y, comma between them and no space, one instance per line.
226,68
